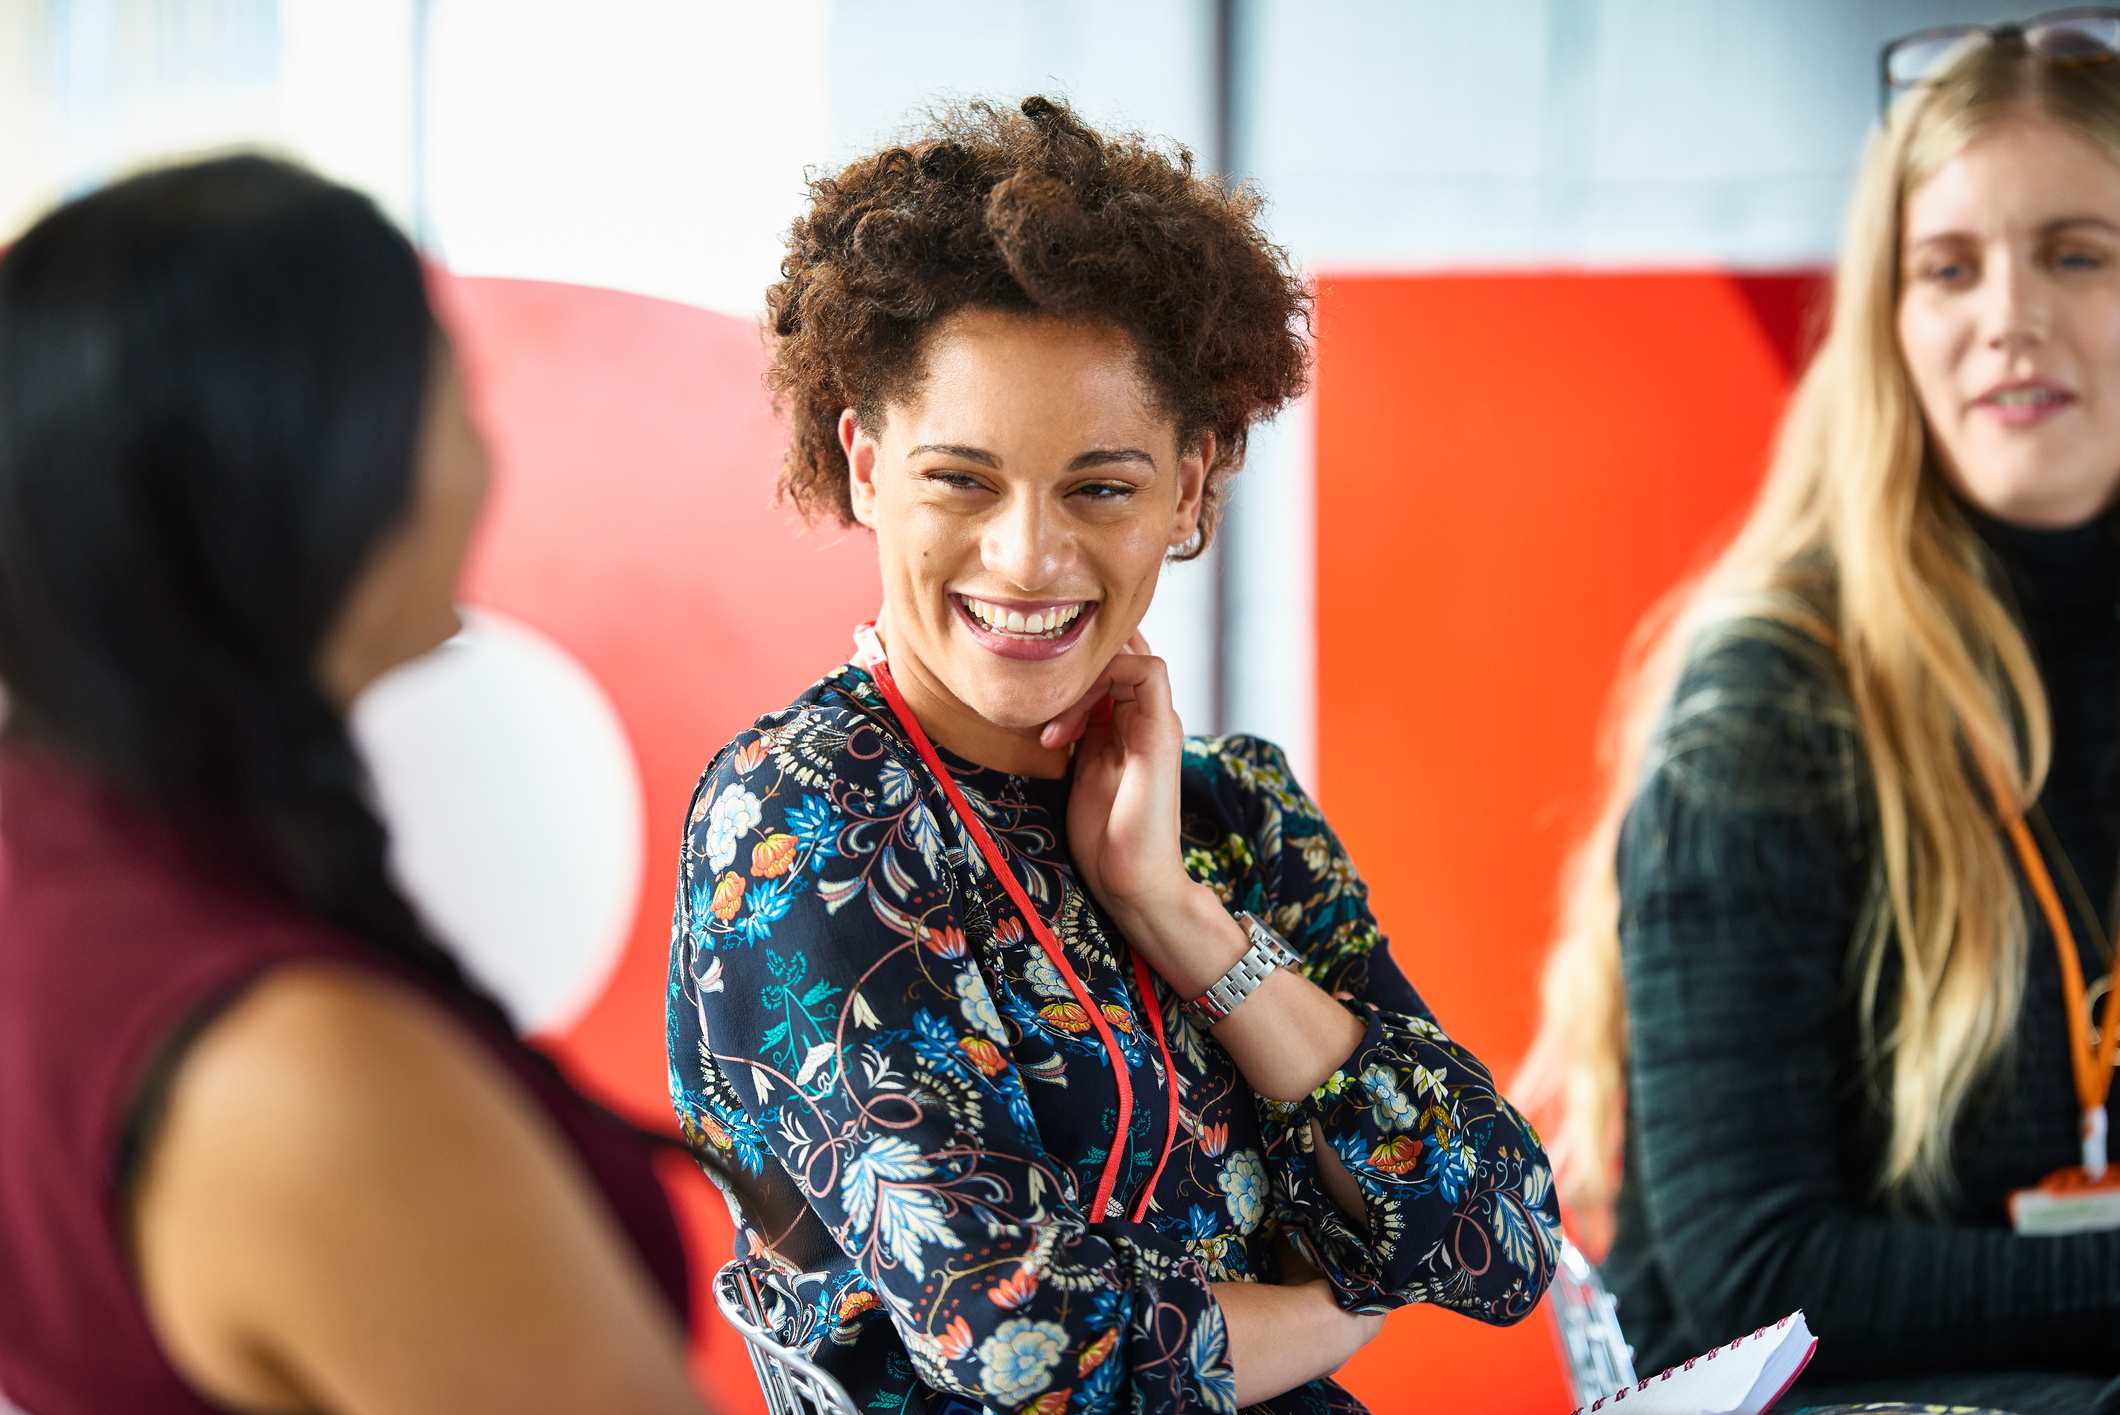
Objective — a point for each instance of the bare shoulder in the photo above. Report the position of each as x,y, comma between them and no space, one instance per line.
322,1082
349,1188
310,1031
286,1114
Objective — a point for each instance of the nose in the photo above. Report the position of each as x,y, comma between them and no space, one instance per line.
2014,310
1025,543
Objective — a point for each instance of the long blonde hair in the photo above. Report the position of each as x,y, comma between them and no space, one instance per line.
1856,545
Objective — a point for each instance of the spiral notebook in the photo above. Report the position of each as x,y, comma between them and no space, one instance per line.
1745,1377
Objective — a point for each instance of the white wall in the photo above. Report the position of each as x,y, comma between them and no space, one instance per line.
647,145
660,146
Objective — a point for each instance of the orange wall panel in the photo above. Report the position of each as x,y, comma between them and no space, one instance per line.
1510,470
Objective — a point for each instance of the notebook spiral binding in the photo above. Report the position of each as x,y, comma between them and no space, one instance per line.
1613,1401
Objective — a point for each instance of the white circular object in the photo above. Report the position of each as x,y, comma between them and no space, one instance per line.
515,812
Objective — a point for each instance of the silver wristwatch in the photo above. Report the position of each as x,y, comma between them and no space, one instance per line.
1268,951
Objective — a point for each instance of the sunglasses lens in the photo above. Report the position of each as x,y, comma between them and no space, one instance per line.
2090,40
1922,56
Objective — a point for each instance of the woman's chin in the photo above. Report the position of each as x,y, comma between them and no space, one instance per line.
1015,715
1022,707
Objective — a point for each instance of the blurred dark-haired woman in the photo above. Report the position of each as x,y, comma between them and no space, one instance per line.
263,1145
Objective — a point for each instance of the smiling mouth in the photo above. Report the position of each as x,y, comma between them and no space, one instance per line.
1013,631
1049,622
2024,407
2027,398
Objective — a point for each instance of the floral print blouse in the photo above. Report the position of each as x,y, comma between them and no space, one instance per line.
908,1110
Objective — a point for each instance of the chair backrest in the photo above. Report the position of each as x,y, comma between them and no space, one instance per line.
793,1385
1599,1359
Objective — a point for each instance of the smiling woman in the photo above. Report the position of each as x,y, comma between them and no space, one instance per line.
1033,487
1055,1057
2011,320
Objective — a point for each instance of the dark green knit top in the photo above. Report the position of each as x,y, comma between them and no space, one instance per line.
1745,864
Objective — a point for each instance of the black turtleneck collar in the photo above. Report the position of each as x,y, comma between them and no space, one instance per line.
2065,585
2055,571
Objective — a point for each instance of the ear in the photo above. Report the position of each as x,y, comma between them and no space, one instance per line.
859,445
1192,490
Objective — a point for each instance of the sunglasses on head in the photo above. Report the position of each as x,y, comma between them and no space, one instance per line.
2078,38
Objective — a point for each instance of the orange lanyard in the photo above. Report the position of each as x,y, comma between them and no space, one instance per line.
869,654
2091,1062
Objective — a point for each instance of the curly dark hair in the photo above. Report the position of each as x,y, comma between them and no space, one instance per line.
1030,210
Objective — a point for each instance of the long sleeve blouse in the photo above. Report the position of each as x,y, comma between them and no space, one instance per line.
1747,867
910,1110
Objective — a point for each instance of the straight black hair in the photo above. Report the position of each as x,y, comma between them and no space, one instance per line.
213,380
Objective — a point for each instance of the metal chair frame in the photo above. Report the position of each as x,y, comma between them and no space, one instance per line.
1587,1316
792,1383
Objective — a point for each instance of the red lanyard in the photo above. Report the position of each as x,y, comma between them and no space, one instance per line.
869,654
2092,1063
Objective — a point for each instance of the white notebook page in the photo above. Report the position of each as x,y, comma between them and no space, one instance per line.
1744,1377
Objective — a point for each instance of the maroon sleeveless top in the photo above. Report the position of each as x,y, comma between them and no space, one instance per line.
120,931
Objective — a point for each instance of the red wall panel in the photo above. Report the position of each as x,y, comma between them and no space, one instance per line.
1510,470
632,522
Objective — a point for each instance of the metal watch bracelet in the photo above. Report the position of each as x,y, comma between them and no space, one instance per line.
1268,951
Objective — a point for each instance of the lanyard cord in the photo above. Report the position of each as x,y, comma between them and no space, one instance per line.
2093,1066
879,668
2074,897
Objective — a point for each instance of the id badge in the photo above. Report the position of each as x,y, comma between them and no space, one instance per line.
2067,1201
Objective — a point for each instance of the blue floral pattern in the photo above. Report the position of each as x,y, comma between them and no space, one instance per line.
909,1109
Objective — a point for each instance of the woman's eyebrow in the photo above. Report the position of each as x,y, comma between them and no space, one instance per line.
957,449
2046,230
1105,456
2064,223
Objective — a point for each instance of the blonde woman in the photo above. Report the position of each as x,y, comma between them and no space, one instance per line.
1808,1027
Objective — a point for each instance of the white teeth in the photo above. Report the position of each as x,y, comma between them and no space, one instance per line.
2026,397
1039,624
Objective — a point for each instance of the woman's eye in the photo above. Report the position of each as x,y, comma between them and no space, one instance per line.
1946,272
2080,260
958,481
1105,491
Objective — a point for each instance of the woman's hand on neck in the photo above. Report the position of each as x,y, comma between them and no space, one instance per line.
950,723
